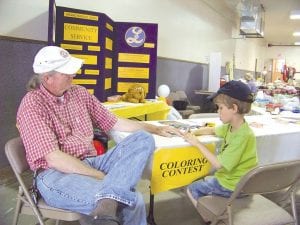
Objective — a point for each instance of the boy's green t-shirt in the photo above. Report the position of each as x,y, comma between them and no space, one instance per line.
237,155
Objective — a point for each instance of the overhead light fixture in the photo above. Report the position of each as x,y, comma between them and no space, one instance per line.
295,15
296,33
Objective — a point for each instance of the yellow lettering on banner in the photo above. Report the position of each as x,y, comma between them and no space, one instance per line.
177,167
123,86
108,63
135,58
80,16
133,72
107,84
84,81
81,33
88,59
73,47
91,91
149,45
79,71
91,72
110,27
108,44
94,48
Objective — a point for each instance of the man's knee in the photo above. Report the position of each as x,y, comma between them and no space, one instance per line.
148,139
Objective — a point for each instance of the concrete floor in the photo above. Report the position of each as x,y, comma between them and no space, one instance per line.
171,208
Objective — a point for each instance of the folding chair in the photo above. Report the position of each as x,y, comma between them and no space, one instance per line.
183,96
282,198
181,102
254,209
15,153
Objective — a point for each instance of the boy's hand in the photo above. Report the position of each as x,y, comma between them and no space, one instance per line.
190,138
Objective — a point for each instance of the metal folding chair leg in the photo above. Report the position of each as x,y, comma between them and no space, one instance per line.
15,153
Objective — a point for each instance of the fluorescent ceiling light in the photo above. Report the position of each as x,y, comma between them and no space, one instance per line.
295,15
296,33
297,43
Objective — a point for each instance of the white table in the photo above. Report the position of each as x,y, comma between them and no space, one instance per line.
277,140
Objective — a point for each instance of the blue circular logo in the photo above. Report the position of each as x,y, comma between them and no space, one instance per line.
135,37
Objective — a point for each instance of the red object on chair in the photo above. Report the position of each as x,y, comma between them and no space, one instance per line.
285,75
100,148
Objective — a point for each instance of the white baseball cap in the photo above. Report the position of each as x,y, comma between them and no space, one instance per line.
53,58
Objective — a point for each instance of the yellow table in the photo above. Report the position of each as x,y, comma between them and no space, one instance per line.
151,110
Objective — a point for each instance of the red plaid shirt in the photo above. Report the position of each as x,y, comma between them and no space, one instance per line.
47,123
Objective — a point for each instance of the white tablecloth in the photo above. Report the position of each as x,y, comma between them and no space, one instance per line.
277,138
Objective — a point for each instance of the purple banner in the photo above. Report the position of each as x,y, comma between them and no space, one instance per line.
115,54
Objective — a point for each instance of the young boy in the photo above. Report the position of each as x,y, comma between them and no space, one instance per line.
238,151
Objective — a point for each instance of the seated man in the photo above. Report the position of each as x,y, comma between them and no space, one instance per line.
56,121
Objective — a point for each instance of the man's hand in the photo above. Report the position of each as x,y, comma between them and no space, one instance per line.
68,164
168,131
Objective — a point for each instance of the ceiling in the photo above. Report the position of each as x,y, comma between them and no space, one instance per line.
279,27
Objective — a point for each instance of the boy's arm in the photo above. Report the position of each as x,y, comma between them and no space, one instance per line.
204,131
210,156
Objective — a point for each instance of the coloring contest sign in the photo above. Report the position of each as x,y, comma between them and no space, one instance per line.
177,167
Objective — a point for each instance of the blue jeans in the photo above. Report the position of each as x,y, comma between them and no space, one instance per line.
123,166
208,186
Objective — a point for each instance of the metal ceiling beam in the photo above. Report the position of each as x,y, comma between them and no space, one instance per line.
271,45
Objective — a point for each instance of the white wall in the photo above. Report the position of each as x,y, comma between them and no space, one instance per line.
24,19
249,51
187,29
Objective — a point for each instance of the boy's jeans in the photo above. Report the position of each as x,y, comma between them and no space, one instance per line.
208,186
123,166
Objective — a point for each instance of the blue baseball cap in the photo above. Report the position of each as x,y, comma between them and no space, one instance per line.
235,89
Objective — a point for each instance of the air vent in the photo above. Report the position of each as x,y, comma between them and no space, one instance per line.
252,19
